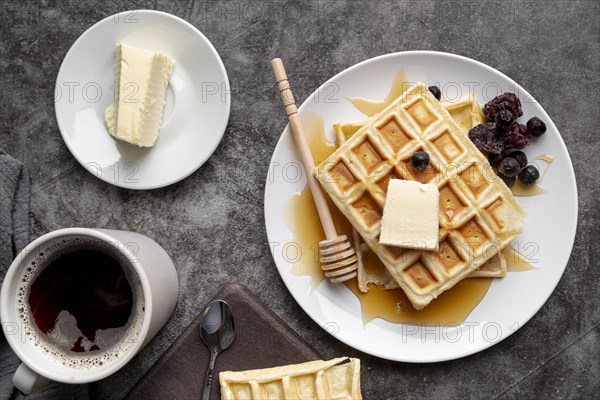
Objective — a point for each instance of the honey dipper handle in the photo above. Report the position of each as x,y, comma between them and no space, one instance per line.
307,160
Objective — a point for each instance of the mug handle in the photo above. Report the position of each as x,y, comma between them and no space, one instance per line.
28,381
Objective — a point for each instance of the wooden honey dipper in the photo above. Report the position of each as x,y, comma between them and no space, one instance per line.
338,258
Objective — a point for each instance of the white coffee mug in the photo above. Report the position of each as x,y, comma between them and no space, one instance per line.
159,285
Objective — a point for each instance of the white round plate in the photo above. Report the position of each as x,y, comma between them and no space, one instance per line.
196,110
547,238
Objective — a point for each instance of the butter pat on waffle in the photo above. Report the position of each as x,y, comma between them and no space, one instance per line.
410,215
478,214
337,379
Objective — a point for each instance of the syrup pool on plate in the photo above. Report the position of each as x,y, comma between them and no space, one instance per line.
452,307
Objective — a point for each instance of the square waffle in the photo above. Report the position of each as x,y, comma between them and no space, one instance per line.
467,113
337,379
478,214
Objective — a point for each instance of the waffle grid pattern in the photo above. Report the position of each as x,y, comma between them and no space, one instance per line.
467,113
311,380
478,215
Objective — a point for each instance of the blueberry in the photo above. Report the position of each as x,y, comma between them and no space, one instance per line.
508,180
504,118
509,167
435,91
520,157
529,175
496,159
536,126
420,160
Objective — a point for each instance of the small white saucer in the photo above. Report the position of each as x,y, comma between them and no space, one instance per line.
196,111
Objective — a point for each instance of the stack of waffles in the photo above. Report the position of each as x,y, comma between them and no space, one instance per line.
467,113
478,214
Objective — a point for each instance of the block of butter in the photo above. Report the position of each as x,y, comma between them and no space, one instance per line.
141,80
411,215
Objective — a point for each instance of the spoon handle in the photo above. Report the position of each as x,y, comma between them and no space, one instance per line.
209,375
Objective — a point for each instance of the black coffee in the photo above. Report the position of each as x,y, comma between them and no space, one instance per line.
88,284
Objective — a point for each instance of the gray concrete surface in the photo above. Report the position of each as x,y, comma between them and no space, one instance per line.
212,222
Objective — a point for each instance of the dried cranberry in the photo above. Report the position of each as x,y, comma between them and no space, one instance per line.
516,136
487,137
506,101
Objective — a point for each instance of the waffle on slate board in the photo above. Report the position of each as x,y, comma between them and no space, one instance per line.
467,114
334,379
478,214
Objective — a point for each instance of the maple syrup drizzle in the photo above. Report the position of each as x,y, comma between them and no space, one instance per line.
370,107
451,307
521,190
